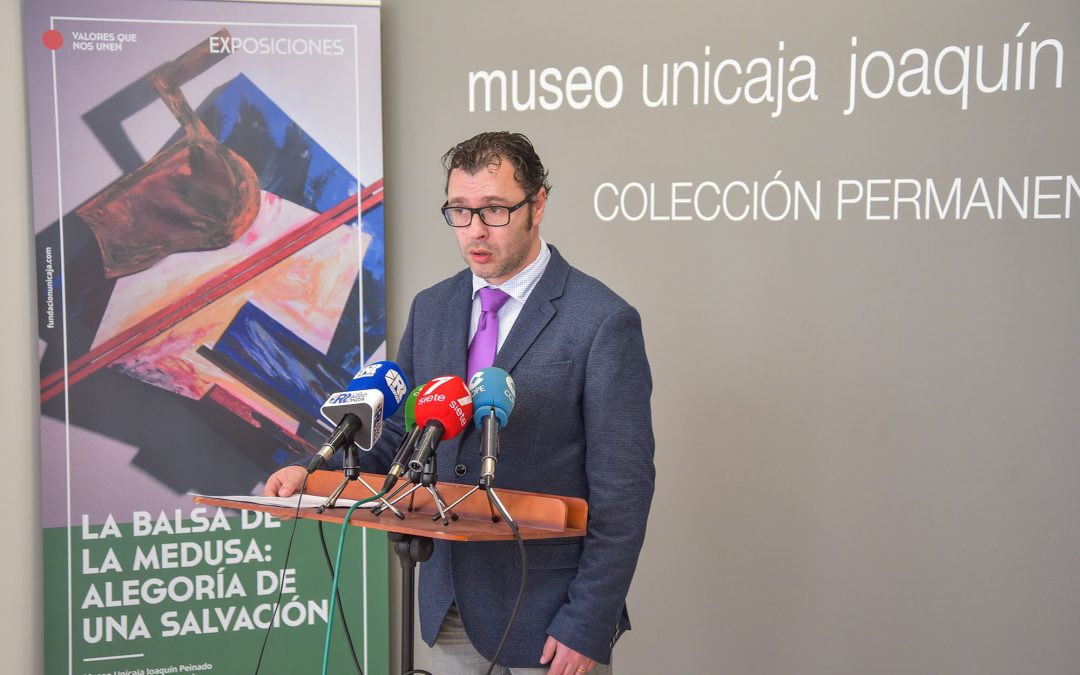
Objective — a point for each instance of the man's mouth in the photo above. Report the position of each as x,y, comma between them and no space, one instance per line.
480,256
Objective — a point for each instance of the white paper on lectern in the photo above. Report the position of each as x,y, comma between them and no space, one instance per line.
307,502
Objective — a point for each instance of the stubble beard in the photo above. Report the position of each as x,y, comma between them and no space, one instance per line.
517,262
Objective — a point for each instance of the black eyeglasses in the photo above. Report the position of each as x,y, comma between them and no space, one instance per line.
492,216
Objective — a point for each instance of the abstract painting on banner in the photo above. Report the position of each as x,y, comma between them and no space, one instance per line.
208,219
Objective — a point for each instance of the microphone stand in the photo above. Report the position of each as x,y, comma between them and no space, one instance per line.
428,479
489,454
489,488
493,498
351,467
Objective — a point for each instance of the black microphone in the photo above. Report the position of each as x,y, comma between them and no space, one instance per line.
426,443
349,426
405,451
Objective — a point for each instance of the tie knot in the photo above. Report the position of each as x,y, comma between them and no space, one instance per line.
492,299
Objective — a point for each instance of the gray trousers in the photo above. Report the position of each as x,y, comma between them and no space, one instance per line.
453,654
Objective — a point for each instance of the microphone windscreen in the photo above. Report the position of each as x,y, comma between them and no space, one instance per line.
492,389
410,408
446,400
386,377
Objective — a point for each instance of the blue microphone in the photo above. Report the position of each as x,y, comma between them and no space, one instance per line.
386,377
376,392
493,395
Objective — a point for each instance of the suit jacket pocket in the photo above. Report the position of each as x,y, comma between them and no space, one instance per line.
532,372
550,556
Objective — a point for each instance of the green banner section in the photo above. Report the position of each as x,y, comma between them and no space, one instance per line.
201,587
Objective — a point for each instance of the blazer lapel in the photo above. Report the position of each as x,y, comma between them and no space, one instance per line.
536,314
457,312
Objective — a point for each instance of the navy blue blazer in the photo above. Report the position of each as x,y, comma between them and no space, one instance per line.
581,426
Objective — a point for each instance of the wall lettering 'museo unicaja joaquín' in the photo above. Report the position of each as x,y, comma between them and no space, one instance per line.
960,71
959,77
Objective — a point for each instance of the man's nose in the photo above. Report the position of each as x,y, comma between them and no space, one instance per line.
476,228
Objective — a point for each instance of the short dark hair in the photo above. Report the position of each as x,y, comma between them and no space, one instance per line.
489,149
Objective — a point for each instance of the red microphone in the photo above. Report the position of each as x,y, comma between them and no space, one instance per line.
443,409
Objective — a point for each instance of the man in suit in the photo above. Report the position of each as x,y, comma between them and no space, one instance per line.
581,425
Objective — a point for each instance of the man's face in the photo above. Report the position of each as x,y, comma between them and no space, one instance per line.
496,253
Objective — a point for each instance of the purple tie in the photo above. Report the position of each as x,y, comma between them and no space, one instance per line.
485,342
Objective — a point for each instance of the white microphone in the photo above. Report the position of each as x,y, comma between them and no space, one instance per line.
358,416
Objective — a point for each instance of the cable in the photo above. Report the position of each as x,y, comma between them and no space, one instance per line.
337,570
281,577
494,501
341,605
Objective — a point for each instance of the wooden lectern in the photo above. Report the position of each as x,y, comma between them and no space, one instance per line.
538,516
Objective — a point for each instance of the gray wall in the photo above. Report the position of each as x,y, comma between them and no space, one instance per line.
20,567
866,429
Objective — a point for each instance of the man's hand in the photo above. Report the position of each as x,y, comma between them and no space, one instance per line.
564,661
284,482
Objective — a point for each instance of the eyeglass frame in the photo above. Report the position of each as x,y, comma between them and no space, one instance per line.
474,212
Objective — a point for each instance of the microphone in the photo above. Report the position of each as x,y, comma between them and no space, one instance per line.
358,412
385,376
493,396
443,410
408,442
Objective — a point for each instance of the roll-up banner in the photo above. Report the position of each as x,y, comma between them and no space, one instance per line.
207,208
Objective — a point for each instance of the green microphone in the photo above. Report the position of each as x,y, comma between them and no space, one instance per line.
408,442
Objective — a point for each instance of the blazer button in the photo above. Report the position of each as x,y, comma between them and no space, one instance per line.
461,469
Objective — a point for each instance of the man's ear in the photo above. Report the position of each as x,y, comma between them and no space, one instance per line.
539,202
